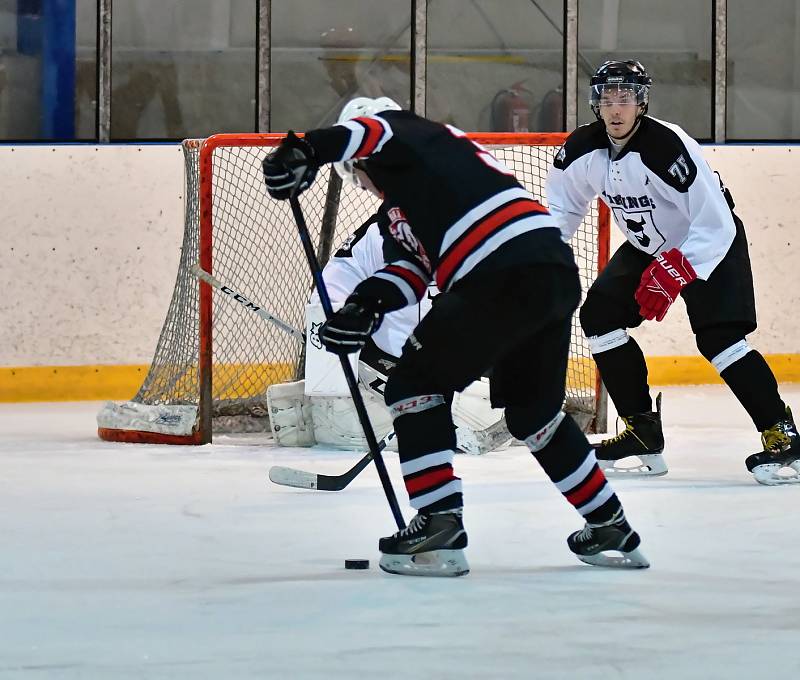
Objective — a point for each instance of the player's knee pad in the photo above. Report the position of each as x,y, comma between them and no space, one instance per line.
403,385
722,346
607,341
567,452
526,421
416,404
541,438
421,417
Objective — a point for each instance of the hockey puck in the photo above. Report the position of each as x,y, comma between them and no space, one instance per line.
356,564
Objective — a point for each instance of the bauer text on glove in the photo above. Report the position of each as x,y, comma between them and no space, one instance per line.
662,282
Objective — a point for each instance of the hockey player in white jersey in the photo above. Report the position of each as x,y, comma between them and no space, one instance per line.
683,239
319,409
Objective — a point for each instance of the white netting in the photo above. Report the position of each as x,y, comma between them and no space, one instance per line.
257,251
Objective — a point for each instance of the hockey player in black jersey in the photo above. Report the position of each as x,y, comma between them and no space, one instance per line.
683,239
509,288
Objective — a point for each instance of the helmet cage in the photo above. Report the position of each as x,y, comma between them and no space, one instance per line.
604,94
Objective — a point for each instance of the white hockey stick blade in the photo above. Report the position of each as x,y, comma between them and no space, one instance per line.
249,305
290,477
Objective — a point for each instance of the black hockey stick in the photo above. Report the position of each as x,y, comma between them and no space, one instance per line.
279,474
350,377
299,479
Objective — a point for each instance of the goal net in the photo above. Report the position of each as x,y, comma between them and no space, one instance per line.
214,360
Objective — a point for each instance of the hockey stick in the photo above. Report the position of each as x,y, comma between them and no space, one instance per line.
279,474
214,282
350,377
299,479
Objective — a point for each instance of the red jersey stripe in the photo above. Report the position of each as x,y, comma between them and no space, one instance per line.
479,232
418,284
371,138
429,479
588,490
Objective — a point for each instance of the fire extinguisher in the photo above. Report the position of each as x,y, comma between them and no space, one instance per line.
511,109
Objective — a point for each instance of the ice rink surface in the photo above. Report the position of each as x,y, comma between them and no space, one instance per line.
126,561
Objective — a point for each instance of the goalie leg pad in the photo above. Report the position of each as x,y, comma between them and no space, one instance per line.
290,414
336,421
479,427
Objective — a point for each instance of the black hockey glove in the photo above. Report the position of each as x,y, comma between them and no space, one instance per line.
348,330
291,167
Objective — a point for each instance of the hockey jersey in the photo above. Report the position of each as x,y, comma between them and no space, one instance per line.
363,254
453,206
660,190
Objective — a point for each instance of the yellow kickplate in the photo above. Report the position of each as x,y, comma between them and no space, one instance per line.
695,370
120,383
70,383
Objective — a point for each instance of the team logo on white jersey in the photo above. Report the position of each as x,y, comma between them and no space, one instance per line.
346,249
640,229
315,334
401,231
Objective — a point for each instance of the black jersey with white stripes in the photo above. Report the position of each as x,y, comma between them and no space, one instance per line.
451,204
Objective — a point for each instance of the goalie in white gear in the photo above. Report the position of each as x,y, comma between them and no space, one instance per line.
319,410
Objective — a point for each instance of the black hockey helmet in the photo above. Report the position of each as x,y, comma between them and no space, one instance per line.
627,75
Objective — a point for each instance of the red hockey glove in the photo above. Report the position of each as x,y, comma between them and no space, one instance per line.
661,283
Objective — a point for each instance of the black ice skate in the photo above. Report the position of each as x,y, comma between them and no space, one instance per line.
593,540
431,545
641,439
779,462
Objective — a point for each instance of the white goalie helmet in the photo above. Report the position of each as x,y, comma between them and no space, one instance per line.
356,108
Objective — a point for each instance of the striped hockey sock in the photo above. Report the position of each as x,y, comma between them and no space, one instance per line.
431,484
426,442
569,460
587,489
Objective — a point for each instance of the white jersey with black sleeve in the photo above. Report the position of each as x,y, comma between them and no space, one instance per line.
361,256
659,188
